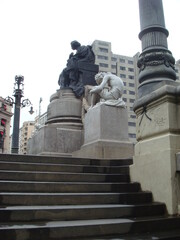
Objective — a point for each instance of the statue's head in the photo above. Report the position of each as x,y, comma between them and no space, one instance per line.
75,44
99,77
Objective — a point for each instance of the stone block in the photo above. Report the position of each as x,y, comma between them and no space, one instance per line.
53,139
106,123
158,135
106,133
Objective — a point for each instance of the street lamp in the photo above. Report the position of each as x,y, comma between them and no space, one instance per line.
18,94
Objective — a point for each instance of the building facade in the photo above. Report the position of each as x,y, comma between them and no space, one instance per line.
126,68
25,132
5,117
40,120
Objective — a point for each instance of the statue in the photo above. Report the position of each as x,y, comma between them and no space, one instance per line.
110,90
69,77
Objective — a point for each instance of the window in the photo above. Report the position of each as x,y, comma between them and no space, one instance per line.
122,60
132,135
130,62
132,124
3,122
113,66
132,116
132,92
131,77
124,83
131,84
125,99
104,50
132,100
122,75
103,65
1,135
125,91
122,68
4,107
131,69
113,59
102,57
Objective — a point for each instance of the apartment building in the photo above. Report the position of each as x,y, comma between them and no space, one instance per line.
40,120
126,68
25,132
5,118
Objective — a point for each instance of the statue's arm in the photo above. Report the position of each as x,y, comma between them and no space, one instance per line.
104,82
99,88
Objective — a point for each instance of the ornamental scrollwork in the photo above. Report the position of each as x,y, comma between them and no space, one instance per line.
155,59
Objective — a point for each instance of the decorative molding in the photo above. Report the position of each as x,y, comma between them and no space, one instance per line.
154,39
155,59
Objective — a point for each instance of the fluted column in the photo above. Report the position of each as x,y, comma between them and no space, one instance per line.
156,62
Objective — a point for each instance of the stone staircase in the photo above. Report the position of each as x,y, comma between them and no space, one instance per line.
71,198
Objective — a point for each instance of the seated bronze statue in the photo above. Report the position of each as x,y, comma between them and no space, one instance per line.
69,77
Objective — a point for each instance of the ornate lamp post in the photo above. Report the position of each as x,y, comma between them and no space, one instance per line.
156,62
18,94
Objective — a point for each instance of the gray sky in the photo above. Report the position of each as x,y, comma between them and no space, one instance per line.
36,35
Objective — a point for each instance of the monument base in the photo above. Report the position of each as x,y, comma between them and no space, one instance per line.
52,139
106,134
63,132
158,136
105,150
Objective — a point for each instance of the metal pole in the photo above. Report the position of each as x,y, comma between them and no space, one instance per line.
15,137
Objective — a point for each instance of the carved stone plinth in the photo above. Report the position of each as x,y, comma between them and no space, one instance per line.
106,133
62,133
158,136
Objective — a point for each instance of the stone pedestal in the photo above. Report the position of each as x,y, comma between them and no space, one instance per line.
62,133
158,136
106,133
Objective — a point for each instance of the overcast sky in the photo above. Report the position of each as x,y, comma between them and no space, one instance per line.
36,35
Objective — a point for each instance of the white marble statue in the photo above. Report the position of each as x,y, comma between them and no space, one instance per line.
110,90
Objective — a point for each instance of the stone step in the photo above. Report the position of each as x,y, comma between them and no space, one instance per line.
67,187
160,235
62,177
78,212
65,160
24,166
32,199
85,228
